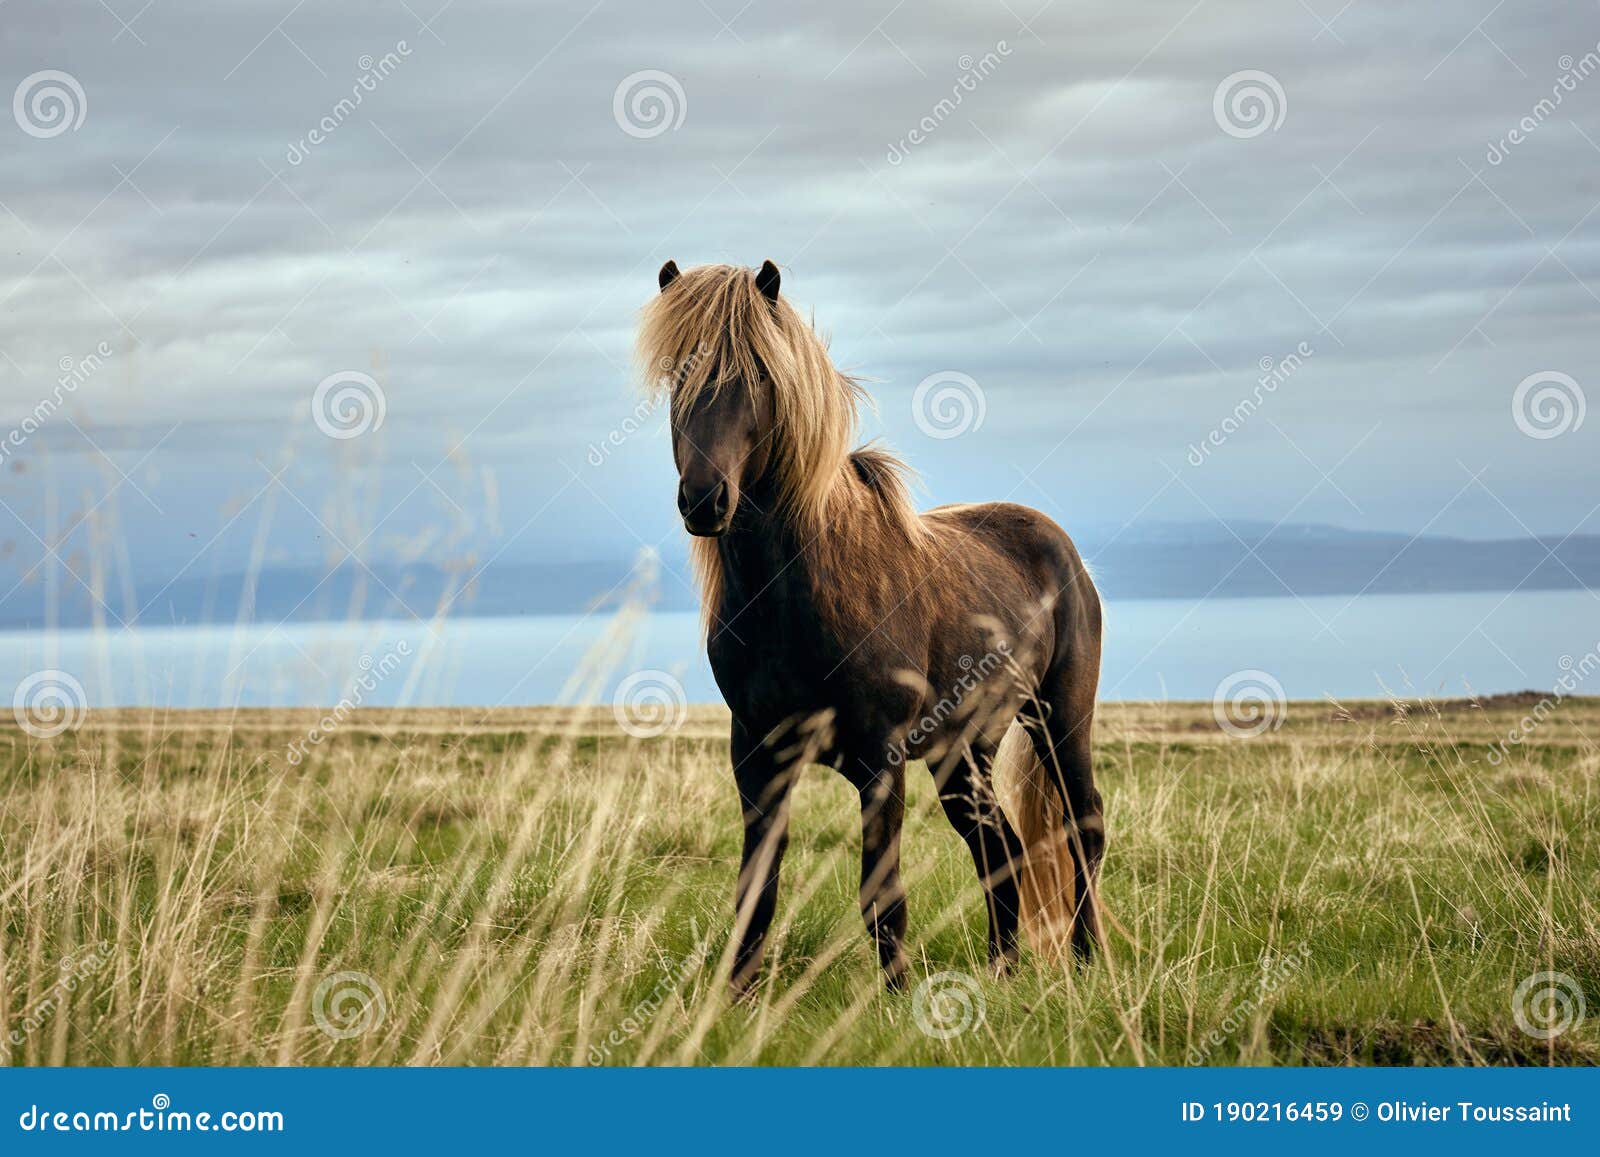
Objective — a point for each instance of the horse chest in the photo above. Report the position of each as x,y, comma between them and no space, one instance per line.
772,656
766,662
781,649
782,667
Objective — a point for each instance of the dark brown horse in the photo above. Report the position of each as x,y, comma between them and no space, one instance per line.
846,629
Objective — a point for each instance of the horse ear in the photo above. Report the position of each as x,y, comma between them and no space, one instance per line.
668,274
767,280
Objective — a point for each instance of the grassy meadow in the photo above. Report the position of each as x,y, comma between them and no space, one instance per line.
532,886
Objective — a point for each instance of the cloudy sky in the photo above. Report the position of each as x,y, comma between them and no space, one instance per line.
1092,224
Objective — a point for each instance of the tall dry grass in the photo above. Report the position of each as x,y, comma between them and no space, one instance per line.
540,889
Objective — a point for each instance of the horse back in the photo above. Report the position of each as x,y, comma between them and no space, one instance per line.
1019,568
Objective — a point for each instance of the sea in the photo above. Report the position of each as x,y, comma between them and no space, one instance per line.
1338,647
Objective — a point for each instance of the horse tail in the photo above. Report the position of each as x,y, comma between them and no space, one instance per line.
1045,877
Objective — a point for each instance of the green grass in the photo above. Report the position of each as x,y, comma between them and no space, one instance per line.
534,887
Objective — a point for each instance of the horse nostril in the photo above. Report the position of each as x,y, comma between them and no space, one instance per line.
704,506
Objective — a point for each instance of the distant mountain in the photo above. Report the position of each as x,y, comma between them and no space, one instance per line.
1154,560
375,591
1247,559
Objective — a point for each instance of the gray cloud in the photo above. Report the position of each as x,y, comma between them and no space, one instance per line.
1078,235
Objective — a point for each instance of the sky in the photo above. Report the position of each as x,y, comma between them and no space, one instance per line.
1066,243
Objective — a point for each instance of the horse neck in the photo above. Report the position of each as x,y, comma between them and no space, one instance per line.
766,552
825,576
762,539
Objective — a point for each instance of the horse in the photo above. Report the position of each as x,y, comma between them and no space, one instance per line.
846,629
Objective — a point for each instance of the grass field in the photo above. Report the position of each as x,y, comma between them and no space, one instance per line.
1362,885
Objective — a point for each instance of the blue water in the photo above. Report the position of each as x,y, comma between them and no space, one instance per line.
1155,649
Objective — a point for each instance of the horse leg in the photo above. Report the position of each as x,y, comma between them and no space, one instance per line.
765,785
883,906
966,793
1064,744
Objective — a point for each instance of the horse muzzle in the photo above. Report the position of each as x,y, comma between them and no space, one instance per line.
706,512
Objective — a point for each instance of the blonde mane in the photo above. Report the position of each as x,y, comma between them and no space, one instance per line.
711,327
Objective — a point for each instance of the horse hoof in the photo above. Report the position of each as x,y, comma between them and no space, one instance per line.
896,977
